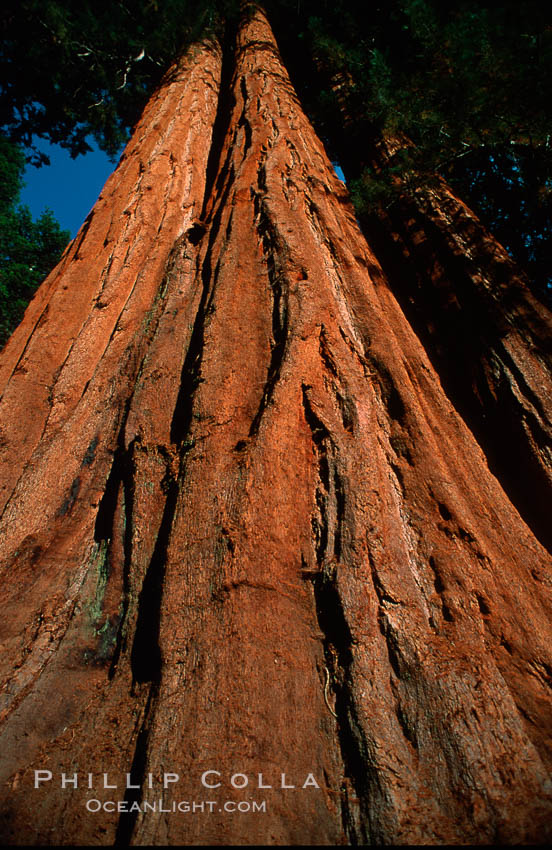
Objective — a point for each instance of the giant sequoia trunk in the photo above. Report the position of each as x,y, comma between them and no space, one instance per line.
487,335
244,530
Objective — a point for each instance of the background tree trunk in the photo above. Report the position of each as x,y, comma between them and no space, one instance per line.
487,335
245,530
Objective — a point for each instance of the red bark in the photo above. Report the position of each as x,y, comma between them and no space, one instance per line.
299,562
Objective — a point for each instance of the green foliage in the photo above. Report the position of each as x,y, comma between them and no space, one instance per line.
511,191
452,75
70,70
28,249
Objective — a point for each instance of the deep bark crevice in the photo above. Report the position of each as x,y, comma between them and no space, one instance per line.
243,120
105,518
191,369
332,619
320,520
145,658
274,251
338,654
127,820
214,174
125,469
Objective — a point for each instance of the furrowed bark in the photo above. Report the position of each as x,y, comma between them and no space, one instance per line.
290,555
487,335
99,351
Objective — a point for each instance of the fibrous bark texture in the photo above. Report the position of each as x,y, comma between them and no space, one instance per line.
244,528
487,335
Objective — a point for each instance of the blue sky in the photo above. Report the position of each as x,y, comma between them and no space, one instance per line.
69,187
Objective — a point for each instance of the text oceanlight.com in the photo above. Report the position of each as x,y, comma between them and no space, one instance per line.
183,806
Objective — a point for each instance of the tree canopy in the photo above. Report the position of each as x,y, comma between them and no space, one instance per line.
464,73
73,70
